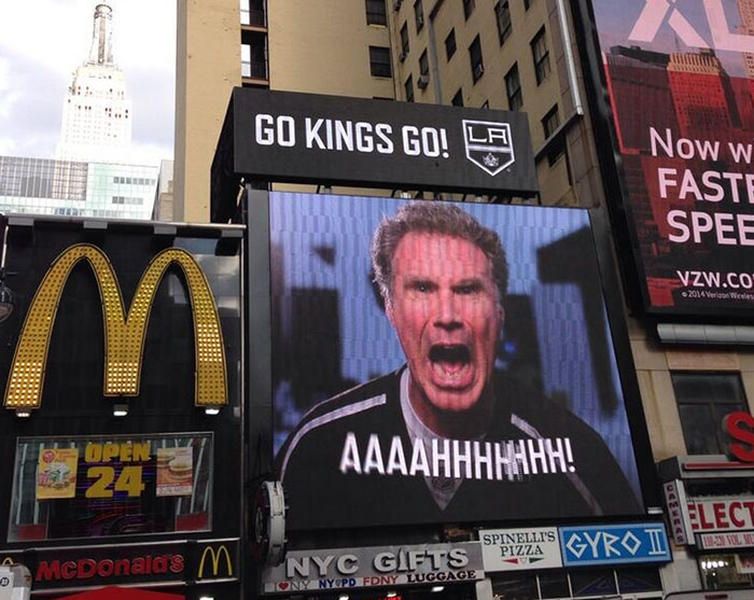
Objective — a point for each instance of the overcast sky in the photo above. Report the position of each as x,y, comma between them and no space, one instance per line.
43,41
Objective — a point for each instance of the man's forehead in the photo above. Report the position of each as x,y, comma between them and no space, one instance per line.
440,252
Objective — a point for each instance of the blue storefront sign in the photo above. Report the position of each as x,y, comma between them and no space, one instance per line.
614,544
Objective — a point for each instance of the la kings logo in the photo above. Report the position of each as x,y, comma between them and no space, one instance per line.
489,145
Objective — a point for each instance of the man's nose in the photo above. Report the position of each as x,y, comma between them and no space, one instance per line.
446,314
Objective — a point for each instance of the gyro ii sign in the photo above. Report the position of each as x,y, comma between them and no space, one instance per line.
283,136
375,567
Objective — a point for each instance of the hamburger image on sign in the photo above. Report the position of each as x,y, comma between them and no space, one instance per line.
175,471
180,468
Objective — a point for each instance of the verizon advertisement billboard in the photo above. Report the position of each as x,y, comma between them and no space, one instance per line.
679,77
440,362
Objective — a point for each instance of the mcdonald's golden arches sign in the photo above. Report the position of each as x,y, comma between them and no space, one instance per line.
125,332
219,565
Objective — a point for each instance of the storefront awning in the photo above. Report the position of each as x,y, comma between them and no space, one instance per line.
120,593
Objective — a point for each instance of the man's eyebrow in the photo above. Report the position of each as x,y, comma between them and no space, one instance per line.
473,282
414,280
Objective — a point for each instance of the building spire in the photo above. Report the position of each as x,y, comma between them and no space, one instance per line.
101,51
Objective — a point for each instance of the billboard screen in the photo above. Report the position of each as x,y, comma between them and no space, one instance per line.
679,79
475,381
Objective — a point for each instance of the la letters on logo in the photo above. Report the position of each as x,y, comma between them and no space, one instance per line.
124,332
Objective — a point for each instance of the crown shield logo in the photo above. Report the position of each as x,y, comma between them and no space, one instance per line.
489,145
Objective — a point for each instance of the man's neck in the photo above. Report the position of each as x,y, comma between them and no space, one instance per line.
461,425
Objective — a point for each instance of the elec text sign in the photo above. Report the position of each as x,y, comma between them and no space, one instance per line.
284,136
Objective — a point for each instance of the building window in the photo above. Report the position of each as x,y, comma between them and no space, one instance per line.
409,87
468,8
475,56
458,98
550,121
541,56
503,17
376,12
423,70
703,400
486,104
419,15
253,55
424,64
550,124
253,13
379,61
527,4
404,42
450,44
513,89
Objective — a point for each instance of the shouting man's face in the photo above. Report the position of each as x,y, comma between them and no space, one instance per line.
445,308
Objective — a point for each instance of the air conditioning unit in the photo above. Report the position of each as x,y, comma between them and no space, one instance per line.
478,71
397,5
423,81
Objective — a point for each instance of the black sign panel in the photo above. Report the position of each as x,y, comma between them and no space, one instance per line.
294,137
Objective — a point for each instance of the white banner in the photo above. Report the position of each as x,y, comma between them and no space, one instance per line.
375,567
732,539
520,549
675,500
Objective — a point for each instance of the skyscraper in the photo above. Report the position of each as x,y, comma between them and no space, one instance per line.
96,109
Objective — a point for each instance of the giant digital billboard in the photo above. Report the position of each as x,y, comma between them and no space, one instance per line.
441,362
679,78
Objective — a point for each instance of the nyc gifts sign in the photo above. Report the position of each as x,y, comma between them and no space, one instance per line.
343,568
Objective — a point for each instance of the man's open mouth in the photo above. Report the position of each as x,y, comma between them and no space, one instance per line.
450,357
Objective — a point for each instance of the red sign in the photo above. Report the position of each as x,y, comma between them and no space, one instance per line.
87,568
740,426
118,593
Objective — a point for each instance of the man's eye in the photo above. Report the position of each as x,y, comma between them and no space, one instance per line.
422,287
466,290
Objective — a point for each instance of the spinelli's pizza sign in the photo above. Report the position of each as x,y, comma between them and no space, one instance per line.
520,549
